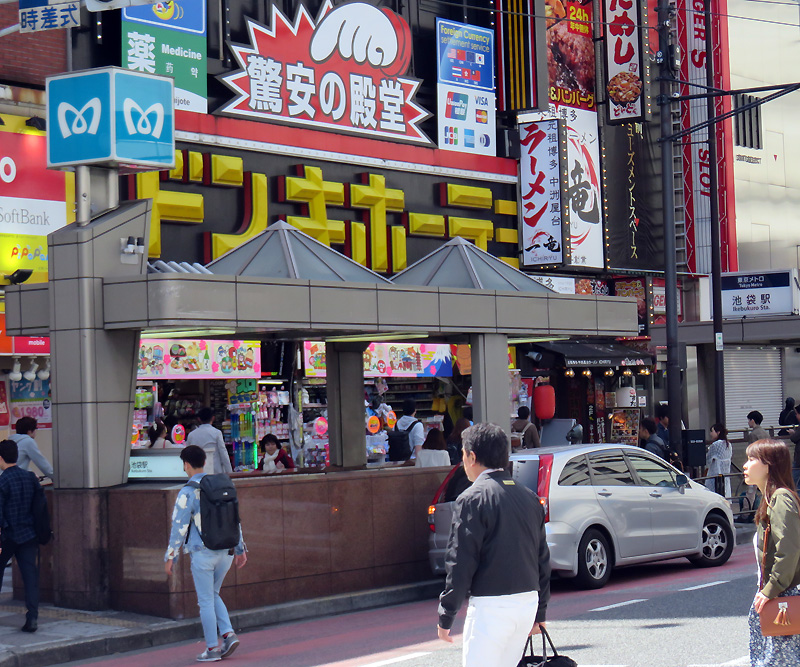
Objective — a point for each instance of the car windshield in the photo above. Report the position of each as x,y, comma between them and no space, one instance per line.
526,472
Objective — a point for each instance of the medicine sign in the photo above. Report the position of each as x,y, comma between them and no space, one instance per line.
110,117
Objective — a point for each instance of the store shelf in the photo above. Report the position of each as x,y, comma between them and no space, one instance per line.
408,391
314,405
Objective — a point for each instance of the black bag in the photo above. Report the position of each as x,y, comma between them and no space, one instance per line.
400,443
555,660
41,515
219,512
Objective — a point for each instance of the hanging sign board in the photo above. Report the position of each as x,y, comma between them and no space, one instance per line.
388,360
625,67
762,294
173,359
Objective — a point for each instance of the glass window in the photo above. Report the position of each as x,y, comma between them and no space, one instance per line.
610,469
651,472
575,473
526,472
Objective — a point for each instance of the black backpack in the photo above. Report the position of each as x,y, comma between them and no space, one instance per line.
219,512
400,443
41,515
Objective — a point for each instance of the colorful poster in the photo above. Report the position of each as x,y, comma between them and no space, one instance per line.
465,90
343,72
169,38
625,66
541,192
570,53
4,418
171,359
31,399
637,288
388,360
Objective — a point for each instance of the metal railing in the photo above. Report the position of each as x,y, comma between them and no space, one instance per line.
744,499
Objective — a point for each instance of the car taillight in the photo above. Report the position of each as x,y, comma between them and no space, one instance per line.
437,498
432,518
543,483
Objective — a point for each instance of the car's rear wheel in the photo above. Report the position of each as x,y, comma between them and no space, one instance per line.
716,542
594,560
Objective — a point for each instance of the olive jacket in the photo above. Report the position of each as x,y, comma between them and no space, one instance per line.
782,561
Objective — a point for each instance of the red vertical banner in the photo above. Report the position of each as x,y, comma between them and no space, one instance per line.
4,420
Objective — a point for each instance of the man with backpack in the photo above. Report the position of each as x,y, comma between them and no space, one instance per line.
205,522
408,434
18,534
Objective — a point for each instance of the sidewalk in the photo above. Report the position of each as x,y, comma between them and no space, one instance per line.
67,635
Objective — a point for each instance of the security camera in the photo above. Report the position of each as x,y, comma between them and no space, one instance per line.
535,357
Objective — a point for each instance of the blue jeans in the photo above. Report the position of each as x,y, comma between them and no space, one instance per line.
27,555
796,476
208,570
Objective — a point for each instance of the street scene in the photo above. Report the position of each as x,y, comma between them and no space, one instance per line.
352,333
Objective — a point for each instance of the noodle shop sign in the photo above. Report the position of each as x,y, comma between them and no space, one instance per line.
406,360
624,64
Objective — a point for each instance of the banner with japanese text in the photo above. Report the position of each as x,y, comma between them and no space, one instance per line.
343,71
465,89
570,53
169,38
541,192
409,360
31,399
625,67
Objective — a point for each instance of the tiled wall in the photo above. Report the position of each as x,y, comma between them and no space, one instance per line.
307,535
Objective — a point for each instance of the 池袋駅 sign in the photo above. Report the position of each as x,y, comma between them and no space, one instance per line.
760,294
343,72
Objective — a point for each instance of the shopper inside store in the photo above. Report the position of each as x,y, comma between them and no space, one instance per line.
273,457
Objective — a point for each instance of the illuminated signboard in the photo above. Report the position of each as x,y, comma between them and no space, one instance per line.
172,359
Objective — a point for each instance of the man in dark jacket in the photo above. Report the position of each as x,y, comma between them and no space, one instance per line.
497,554
653,444
17,533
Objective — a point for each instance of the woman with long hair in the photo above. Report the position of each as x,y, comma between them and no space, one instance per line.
434,451
769,467
718,458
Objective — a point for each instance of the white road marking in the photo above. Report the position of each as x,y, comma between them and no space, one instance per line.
394,661
744,661
619,604
709,584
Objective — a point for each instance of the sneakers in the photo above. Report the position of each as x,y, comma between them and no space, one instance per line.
210,655
229,644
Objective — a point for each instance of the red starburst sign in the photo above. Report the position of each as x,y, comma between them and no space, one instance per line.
342,72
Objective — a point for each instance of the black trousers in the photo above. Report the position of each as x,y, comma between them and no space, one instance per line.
27,555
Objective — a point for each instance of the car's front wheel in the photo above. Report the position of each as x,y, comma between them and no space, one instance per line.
716,542
594,560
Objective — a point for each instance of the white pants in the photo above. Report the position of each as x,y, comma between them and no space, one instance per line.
497,627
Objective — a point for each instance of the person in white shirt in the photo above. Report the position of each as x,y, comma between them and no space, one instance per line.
417,434
28,449
209,438
434,451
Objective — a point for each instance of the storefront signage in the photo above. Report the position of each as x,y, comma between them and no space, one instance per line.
760,294
27,345
4,418
110,117
388,360
624,63
169,38
637,288
343,72
32,198
570,58
173,359
38,15
465,90
31,399
542,149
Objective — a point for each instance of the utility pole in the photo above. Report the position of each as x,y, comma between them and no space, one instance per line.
716,249
666,60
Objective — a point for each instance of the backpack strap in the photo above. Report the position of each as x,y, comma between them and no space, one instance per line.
413,424
194,485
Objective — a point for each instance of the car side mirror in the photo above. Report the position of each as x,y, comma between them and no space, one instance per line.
681,480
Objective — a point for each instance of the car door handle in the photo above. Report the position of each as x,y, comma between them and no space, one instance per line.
655,494
604,493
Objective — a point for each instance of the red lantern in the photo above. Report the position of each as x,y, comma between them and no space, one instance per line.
544,401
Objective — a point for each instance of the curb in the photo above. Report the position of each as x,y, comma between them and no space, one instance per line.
170,632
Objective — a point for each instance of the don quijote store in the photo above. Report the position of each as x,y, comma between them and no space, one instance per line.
337,235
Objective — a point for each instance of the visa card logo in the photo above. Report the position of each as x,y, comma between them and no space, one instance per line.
456,106
481,116
450,135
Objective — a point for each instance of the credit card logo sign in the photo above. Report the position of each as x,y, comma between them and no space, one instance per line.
456,106
486,141
481,116
450,135
469,138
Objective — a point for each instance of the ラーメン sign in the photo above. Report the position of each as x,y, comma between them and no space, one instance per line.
343,71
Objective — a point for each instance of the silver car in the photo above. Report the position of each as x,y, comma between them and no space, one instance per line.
606,506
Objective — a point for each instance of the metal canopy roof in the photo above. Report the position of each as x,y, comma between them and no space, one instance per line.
459,263
283,251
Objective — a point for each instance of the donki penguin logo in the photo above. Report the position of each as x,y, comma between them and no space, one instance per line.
342,72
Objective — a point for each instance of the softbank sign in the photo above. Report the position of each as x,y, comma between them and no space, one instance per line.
32,198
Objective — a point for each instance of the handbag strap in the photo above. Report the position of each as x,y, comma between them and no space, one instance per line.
764,555
545,641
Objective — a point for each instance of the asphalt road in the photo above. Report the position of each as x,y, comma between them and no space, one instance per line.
664,615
